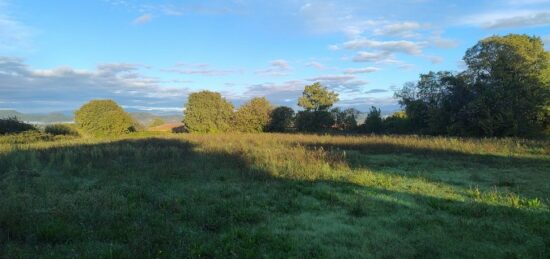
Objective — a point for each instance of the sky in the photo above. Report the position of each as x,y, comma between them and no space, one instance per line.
149,55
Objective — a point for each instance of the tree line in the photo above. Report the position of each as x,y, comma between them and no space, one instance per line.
504,91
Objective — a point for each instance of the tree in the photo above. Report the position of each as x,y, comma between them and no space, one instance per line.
504,92
397,123
253,116
345,120
310,121
103,117
509,77
373,122
317,98
208,112
282,119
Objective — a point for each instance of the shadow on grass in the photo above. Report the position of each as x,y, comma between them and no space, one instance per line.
170,198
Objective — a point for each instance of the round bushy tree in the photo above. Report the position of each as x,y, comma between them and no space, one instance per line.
282,119
103,117
253,116
208,112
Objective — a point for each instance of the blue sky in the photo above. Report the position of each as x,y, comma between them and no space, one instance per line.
149,55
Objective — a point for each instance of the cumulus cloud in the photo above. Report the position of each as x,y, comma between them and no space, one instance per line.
510,19
403,46
361,70
67,88
365,56
435,59
143,19
402,29
340,83
316,65
200,69
279,67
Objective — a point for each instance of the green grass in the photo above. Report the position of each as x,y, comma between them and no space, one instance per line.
275,196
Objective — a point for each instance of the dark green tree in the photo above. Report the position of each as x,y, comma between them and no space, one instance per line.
373,122
208,112
103,118
282,119
345,120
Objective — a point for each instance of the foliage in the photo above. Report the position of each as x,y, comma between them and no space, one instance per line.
282,119
253,116
104,118
397,123
60,129
208,112
314,121
504,92
345,120
277,196
317,98
373,122
156,122
12,125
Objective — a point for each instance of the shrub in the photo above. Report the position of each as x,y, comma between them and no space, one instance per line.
13,125
208,112
60,129
282,119
253,116
104,117
345,120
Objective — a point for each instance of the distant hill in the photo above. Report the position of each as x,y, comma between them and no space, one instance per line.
36,118
144,118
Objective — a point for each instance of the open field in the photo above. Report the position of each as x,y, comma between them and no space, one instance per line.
274,195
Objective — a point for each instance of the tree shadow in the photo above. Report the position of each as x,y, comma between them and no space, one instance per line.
161,197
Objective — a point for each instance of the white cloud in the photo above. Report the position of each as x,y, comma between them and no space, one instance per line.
200,69
435,59
143,19
340,83
279,67
316,65
403,46
68,88
510,19
403,29
361,70
364,56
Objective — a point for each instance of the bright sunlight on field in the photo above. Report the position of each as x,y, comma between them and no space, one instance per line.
274,195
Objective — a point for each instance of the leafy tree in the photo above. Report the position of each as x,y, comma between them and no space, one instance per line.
282,119
345,120
156,122
373,122
397,123
317,98
13,125
103,117
510,77
253,116
504,92
314,121
208,112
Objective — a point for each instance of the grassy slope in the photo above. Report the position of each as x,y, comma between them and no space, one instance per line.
269,195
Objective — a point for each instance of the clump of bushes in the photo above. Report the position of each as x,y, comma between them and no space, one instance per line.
104,118
13,125
60,129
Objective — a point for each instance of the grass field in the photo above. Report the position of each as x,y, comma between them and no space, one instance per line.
274,196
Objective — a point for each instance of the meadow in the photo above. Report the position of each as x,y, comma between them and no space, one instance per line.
273,196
